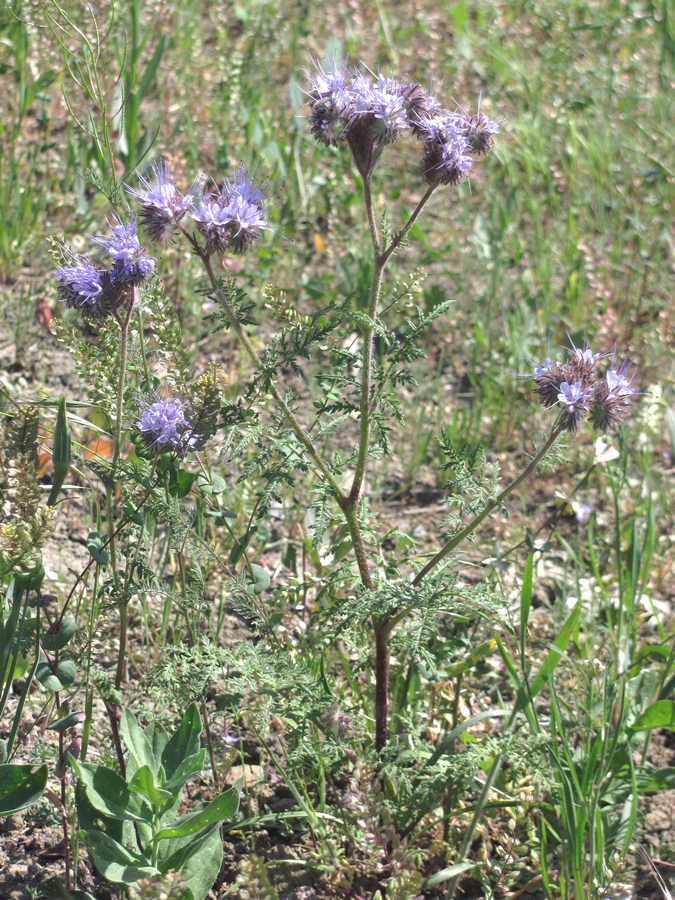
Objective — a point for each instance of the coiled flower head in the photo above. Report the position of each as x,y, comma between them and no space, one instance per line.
580,389
162,205
369,113
83,286
164,427
131,264
233,217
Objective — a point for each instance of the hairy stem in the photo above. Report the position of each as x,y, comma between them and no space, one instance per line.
117,449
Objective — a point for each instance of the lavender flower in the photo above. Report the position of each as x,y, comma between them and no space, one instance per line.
380,108
131,264
232,218
574,400
368,115
420,106
479,132
613,399
580,388
163,426
447,154
331,101
162,204
82,285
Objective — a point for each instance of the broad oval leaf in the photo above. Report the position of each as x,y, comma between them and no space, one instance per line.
114,861
57,640
218,810
659,715
20,786
109,793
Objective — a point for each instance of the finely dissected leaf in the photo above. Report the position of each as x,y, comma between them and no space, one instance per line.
109,793
20,786
215,812
659,715
60,452
114,861
183,742
137,743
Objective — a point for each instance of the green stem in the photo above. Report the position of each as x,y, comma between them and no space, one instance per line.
299,431
457,539
381,258
117,449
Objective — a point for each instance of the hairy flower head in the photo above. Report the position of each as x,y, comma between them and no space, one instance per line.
82,285
164,427
578,386
130,262
162,205
447,154
233,217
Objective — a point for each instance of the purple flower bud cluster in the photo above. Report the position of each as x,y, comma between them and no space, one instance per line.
162,205
164,427
233,217
228,218
98,291
580,389
368,114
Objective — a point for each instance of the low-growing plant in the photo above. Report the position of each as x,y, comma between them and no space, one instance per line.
129,821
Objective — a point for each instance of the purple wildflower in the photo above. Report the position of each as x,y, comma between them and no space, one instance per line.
377,117
82,286
580,388
163,427
331,100
574,400
380,108
162,204
447,156
420,106
232,218
613,399
479,132
131,264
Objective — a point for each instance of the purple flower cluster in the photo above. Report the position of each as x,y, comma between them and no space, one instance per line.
162,205
233,217
368,114
164,427
228,218
580,389
99,291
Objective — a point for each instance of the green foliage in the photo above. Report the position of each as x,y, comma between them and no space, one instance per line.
20,786
111,808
